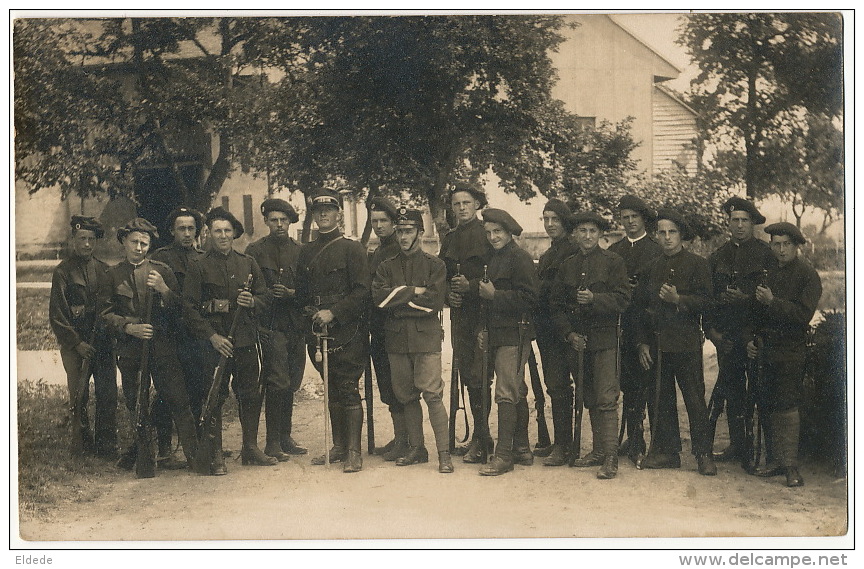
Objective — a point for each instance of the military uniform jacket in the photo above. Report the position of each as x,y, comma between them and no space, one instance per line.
411,324
122,301
273,253
606,277
679,327
638,256
797,289
333,274
742,265
72,310
178,258
388,249
217,279
466,245
547,272
511,270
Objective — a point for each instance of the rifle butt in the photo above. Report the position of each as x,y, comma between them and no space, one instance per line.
370,424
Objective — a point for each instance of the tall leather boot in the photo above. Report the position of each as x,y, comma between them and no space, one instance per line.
217,461
287,442
595,457
417,453
788,431
186,433
480,446
503,460
634,446
250,416
161,415
607,430
400,446
522,454
274,407
735,450
338,428
773,465
562,425
354,423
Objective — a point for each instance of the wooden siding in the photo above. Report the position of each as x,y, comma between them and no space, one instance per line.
674,131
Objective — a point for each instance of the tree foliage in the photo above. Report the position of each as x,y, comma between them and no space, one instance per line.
769,93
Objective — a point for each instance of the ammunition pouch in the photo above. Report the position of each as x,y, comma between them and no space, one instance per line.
217,306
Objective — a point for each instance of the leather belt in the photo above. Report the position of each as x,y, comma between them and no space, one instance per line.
330,299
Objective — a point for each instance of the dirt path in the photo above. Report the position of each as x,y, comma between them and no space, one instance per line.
295,500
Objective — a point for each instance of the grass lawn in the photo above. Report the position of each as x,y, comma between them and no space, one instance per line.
32,330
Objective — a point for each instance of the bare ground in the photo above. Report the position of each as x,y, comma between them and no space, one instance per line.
295,500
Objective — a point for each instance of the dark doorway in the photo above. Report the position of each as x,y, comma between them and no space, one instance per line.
157,193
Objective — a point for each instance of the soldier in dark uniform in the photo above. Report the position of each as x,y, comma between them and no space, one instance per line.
80,334
383,215
465,248
508,298
184,224
670,299
410,288
334,286
213,293
787,302
557,219
123,304
638,251
281,329
590,293
736,268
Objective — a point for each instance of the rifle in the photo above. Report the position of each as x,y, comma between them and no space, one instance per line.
78,410
455,385
655,420
484,370
367,395
207,420
752,417
145,460
322,356
543,441
578,396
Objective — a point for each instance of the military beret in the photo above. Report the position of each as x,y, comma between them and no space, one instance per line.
222,213
410,217
380,203
138,224
637,204
562,210
503,219
184,211
590,217
786,228
88,224
472,189
678,219
740,204
326,197
277,204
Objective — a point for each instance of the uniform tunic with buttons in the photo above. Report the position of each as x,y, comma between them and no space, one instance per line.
678,330
387,249
784,324
220,277
333,274
467,246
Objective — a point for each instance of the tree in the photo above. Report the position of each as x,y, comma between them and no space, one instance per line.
408,104
761,75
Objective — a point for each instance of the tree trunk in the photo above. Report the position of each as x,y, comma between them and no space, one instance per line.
367,229
307,225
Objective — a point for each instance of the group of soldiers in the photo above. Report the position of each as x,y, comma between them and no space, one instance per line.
628,319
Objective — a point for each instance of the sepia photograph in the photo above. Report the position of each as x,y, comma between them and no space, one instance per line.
432,280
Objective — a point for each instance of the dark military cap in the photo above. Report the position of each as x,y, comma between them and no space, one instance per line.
326,197
138,224
380,203
472,189
786,228
87,224
590,217
678,219
410,217
740,204
222,213
503,219
184,211
277,204
562,210
637,204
